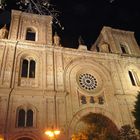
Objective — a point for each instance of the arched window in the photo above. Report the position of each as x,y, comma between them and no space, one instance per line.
132,78
32,69
109,49
24,68
25,118
29,121
124,48
21,118
28,68
30,34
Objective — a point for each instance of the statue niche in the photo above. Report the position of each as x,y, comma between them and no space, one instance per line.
104,47
3,32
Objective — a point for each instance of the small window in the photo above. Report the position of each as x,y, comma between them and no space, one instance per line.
21,118
124,49
30,34
28,68
109,49
132,78
24,68
29,121
32,69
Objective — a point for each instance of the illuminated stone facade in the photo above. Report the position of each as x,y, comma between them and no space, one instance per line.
45,84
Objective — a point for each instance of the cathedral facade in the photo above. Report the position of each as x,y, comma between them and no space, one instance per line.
44,85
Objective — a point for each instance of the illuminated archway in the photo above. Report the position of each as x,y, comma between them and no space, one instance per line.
103,116
96,126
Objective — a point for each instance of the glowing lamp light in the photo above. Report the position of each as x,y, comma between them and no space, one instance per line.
52,133
1,137
49,133
56,132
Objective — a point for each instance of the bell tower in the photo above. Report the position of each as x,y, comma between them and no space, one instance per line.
116,41
30,27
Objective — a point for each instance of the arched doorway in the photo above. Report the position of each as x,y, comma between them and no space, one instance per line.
95,126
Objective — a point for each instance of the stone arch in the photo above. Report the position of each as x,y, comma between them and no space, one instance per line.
30,54
27,106
76,65
84,59
28,135
78,116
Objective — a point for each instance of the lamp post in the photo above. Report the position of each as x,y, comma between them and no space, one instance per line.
52,133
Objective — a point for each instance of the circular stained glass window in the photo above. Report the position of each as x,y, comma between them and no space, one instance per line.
87,81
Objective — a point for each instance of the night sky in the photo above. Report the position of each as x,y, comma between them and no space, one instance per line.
86,18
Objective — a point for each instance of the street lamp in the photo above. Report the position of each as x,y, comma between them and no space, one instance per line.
1,137
53,133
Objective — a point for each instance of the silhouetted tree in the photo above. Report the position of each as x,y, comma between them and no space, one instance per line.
136,113
127,133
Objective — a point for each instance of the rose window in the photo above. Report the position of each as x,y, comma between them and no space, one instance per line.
87,81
